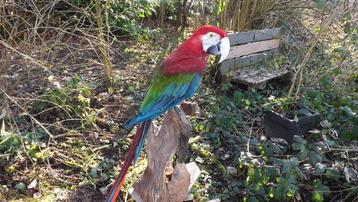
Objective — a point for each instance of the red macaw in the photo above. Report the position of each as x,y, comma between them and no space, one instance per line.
179,77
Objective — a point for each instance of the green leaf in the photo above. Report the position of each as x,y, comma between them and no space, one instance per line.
332,174
292,189
20,186
348,111
317,196
299,139
319,189
93,172
272,171
347,28
253,199
302,155
300,144
320,168
272,148
320,3
314,157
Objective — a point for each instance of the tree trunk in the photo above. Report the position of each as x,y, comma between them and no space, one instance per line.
107,66
162,12
156,184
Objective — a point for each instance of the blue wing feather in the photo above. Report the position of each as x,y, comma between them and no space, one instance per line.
173,95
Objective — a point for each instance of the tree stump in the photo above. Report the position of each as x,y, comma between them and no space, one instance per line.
162,143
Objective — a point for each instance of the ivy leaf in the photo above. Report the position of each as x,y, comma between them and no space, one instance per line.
320,168
317,196
314,157
333,174
20,186
253,199
302,155
93,172
319,189
320,3
328,142
272,172
299,139
350,174
290,165
272,148
297,146
348,111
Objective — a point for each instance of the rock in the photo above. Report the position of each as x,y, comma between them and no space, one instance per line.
2,198
194,172
326,124
190,197
104,191
231,170
350,174
199,159
37,195
214,200
33,184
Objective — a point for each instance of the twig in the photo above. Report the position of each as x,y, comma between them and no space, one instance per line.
28,114
107,67
299,73
25,56
251,130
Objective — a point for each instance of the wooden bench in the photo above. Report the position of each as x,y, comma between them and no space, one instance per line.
249,48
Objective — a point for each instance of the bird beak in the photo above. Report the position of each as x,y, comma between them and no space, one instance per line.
224,48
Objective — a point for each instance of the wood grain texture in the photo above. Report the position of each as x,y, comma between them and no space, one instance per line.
268,34
253,36
162,143
256,47
258,78
235,63
241,38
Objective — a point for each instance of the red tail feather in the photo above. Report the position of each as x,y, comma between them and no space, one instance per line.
116,188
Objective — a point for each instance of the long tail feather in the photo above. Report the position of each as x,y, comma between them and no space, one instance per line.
145,129
132,155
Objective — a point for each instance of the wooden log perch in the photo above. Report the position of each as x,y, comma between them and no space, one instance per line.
162,143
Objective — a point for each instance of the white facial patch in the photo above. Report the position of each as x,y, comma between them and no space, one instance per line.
210,39
224,48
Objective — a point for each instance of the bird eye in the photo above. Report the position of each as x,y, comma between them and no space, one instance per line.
211,35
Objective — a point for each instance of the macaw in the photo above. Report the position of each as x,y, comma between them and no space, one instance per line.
178,79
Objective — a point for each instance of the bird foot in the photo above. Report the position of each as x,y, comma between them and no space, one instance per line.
179,112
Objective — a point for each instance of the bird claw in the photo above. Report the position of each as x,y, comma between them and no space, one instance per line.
179,112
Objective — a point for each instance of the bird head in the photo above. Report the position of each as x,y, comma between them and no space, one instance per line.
191,55
214,41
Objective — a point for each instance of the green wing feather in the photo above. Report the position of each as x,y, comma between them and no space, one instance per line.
165,85
165,93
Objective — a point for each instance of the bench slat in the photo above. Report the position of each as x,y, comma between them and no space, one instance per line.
234,63
253,36
241,38
256,47
262,35
258,78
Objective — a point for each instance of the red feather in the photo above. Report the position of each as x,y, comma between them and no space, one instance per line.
208,28
190,57
116,188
